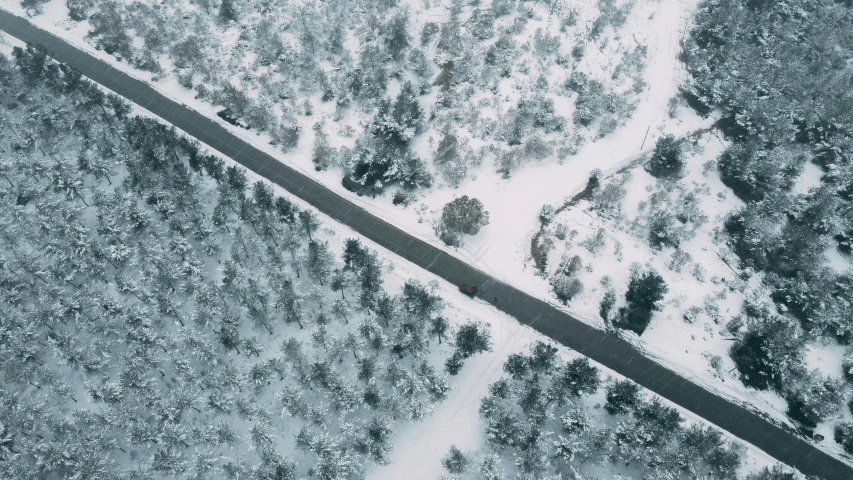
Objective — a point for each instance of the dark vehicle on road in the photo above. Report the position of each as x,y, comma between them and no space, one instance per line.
231,118
469,290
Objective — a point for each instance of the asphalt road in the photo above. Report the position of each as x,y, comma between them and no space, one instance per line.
606,349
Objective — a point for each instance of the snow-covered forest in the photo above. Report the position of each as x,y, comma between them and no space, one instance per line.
676,172
735,237
366,86
162,314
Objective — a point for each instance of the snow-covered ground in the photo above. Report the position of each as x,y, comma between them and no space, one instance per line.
699,348
503,247
420,446
456,421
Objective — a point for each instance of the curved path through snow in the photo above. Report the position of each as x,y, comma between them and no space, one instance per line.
502,247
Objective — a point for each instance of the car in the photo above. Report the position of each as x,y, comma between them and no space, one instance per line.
469,290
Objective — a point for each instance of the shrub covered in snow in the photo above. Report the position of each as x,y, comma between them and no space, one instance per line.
814,400
471,338
566,287
455,461
667,160
644,293
843,436
769,352
462,216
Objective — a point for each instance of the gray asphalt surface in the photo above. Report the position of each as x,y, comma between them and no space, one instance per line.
606,349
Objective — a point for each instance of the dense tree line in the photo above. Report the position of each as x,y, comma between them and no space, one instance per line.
347,53
461,216
162,315
778,72
540,423
784,101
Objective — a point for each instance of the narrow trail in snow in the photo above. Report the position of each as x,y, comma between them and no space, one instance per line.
456,421
514,205
608,350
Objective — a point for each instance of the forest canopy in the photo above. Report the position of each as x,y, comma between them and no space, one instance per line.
163,315
781,76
